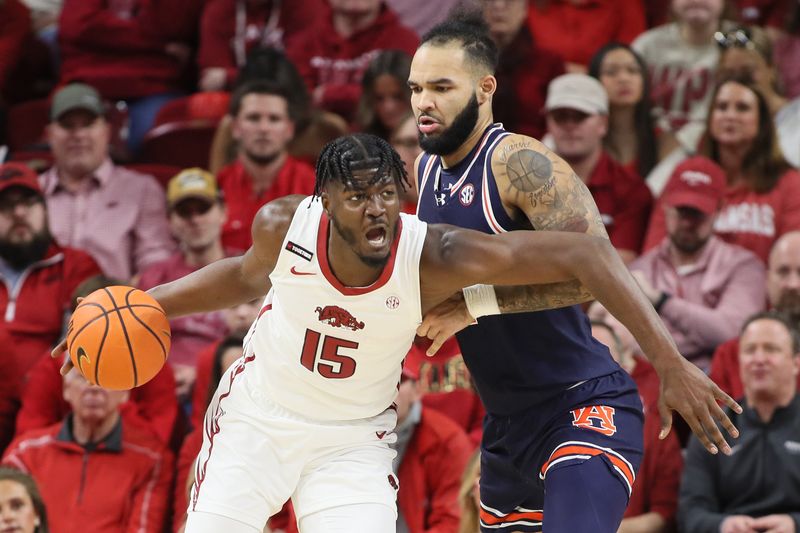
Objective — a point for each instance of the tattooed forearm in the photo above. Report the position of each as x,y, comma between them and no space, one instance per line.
518,299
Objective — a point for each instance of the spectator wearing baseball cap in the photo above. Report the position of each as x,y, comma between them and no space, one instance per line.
196,216
118,216
577,121
37,277
702,287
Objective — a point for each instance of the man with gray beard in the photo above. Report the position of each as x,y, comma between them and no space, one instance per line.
703,288
783,293
37,278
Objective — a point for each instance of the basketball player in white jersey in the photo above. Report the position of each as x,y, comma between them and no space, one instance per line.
307,411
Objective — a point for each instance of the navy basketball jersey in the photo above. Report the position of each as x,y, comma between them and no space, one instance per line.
521,359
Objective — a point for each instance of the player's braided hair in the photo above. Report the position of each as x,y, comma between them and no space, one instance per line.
360,151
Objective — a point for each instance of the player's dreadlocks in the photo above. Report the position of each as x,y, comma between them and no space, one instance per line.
360,151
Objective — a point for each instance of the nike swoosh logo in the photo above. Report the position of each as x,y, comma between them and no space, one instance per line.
380,434
296,273
81,356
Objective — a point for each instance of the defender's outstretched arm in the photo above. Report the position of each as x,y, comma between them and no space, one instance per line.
455,257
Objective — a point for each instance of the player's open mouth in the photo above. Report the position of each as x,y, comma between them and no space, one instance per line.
377,237
427,125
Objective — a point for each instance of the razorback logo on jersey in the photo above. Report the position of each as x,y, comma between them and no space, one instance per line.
337,317
600,418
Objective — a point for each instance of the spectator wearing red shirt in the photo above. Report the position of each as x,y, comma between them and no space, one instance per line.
783,293
196,215
333,54
523,71
229,29
38,278
119,48
263,125
238,320
762,197
15,26
654,500
575,29
95,470
577,119
446,385
151,406
702,287
432,452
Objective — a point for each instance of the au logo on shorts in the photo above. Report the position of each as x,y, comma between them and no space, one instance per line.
599,418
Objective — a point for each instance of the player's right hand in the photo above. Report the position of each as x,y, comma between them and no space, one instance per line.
444,321
687,390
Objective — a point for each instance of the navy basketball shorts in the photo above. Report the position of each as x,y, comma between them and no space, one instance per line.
564,466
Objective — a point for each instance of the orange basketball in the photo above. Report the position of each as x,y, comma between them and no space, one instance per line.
118,337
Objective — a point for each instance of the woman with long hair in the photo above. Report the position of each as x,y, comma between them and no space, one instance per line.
762,198
22,508
631,137
747,53
469,496
385,98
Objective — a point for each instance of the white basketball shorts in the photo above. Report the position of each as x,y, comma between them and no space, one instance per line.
256,455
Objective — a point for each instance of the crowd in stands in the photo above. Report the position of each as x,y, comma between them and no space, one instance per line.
139,138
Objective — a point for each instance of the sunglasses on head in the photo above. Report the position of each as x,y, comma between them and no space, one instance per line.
738,38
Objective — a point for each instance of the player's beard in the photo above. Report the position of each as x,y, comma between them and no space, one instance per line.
21,255
451,139
350,238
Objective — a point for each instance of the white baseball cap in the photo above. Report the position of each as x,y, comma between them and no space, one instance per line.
577,91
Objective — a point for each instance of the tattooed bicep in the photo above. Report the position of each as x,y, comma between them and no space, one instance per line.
528,170
533,179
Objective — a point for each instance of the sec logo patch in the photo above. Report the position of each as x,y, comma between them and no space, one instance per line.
466,195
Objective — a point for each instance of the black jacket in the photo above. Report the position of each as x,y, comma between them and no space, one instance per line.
762,477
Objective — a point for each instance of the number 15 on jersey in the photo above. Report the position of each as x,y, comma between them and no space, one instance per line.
327,361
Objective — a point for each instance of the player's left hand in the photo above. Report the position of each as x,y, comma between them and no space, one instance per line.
444,321
687,390
775,523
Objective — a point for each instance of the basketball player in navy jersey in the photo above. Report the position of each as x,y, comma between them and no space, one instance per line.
563,418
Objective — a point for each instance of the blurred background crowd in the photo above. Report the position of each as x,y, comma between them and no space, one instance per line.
138,139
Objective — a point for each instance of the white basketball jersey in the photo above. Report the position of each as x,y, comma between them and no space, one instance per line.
330,352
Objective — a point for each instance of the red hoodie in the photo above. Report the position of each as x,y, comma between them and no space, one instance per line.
34,310
225,39
119,52
430,474
326,59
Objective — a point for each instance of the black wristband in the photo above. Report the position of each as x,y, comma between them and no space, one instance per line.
661,301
